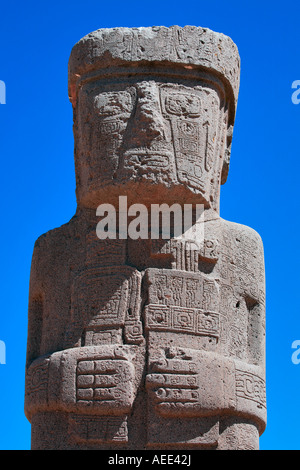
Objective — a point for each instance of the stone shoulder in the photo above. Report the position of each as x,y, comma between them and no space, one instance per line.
243,233
54,236
51,250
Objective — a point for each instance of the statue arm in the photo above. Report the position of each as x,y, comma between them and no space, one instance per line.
35,305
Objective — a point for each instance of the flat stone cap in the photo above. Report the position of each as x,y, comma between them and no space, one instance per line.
160,45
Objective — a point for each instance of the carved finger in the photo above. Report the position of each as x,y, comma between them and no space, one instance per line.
176,366
171,380
172,395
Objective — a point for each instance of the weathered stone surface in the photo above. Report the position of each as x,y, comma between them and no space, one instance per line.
145,343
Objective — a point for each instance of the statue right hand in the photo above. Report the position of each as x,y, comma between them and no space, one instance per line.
105,382
93,379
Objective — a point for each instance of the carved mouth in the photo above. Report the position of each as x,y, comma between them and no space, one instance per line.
148,158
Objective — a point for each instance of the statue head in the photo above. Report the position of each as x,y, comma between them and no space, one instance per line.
154,111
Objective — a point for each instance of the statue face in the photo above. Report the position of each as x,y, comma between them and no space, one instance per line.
150,133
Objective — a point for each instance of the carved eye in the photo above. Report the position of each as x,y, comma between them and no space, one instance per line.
183,104
113,103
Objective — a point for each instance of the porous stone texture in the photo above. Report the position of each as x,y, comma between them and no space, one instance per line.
149,343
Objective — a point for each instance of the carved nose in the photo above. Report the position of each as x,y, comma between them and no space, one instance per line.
147,123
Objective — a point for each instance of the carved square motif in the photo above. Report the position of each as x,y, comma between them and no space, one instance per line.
158,316
184,319
208,323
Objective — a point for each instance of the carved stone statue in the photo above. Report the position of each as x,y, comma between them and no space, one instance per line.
148,343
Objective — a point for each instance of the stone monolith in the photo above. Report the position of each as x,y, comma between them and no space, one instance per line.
148,342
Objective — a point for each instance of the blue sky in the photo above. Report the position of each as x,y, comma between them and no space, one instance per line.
38,181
